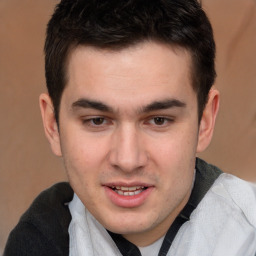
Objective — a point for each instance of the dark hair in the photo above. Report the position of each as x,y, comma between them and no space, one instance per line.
117,24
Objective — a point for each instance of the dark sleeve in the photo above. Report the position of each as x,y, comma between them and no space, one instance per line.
43,228
27,240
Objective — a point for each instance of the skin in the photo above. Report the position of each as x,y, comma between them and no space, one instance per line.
129,118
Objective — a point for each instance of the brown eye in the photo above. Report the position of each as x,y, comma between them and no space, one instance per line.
159,120
97,121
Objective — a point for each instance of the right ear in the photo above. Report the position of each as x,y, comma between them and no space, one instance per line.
50,125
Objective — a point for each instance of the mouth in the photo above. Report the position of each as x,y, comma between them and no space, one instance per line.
128,191
130,195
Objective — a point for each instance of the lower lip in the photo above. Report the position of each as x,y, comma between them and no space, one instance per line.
128,201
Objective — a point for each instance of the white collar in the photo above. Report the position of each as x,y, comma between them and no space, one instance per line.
86,235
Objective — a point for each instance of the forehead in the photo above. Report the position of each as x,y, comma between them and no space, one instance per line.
144,71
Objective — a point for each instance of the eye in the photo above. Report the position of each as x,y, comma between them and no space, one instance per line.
159,120
95,121
98,121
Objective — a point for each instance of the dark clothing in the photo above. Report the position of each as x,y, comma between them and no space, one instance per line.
43,229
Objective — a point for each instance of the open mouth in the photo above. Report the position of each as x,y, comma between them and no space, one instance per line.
128,195
128,191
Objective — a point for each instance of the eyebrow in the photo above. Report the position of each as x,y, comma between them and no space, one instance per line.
154,106
165,104
86,103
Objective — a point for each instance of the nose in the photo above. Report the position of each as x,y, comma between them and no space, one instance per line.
127,150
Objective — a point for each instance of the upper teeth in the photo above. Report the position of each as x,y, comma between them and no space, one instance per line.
128,191
127,188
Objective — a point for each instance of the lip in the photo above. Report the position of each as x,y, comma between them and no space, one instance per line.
128,201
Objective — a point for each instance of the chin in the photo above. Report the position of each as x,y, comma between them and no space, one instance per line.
129,225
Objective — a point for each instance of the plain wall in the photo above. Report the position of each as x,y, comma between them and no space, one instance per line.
27,165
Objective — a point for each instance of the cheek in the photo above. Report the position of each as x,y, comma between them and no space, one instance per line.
174,156
176,171
83,163
83,146
174,148
82,156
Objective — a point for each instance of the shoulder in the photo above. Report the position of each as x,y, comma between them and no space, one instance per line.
227,190
43,228
238,194
223,223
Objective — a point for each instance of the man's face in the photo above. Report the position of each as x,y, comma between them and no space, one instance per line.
128,132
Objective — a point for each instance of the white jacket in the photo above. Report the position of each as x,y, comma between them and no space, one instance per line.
223,224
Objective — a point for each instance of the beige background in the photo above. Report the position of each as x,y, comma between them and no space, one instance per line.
26,163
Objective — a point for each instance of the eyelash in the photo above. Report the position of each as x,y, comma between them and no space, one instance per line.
92,121
165,120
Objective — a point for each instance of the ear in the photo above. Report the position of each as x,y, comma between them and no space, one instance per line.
50,124
208,120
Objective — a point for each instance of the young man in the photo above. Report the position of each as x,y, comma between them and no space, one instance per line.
130,104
